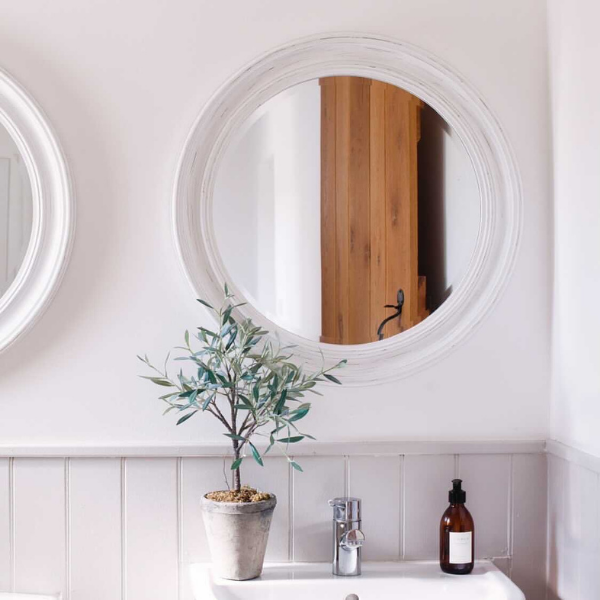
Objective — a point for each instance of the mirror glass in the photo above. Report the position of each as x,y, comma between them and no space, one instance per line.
16,210
346,210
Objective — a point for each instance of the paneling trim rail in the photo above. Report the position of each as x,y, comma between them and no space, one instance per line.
306,449
574,455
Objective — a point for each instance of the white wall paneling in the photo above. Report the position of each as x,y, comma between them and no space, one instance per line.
6,575
40,525
426,484
198,476
324,478
95,528
128,528
152,548
275,477
373,479
529,512
587,489
488,482
573,528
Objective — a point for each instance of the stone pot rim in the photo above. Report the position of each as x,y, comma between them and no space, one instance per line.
238,507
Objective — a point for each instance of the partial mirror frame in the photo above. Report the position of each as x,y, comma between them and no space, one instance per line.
421,75
36,212
16,210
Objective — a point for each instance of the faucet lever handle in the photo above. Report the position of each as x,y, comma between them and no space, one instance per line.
352,539
345,508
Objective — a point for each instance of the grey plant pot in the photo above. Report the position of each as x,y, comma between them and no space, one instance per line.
237,536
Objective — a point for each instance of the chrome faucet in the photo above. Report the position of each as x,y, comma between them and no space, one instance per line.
347,536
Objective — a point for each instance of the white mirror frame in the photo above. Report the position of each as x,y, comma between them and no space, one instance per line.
53,213
444,90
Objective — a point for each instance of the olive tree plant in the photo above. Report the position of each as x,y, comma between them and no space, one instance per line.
243,379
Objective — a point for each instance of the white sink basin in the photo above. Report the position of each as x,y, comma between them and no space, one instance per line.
379,581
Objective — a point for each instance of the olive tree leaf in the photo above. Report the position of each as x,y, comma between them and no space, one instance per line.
297,415
234,436
281,402
205,303
193,397
186,417
158,381
208,400
226,315
256,455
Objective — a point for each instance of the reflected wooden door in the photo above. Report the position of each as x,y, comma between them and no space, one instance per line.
369,208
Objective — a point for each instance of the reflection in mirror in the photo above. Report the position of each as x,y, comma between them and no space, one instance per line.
346,210
16,210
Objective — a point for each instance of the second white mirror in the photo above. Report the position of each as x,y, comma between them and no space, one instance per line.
16,210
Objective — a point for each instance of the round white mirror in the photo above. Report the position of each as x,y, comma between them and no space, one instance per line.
358,195
36,212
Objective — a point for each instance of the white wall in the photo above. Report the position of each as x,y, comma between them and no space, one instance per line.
575,52
122,82
573,476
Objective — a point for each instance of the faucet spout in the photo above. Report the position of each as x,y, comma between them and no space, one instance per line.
348,538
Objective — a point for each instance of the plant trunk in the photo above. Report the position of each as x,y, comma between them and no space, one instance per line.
237,485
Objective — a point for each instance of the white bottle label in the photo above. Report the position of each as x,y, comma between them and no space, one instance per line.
461,545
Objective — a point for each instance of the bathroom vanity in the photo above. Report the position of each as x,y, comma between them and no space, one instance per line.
413,580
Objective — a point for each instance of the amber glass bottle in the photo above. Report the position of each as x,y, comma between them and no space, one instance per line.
457,534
